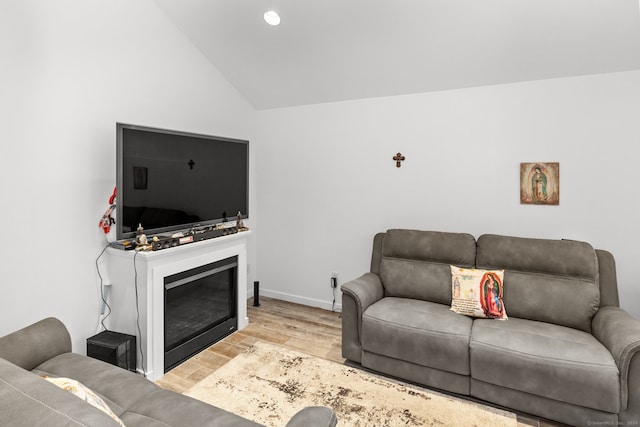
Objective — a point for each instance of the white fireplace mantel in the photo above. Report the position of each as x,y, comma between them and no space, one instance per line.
137,294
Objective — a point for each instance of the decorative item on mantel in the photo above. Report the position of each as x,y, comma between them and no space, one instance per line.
142,244
398,158
239,223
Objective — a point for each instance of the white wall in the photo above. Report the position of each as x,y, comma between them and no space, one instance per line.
70,70
328,182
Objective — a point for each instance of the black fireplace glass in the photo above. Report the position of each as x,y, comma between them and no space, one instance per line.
200,309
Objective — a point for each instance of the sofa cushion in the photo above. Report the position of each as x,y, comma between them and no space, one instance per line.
136,400
554,281
547,360
415,264
83,392
477,293
420,332
118,387
26,400
159,409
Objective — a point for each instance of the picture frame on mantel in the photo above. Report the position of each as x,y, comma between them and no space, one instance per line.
540,183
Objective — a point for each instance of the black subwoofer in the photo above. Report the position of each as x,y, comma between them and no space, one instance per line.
115,348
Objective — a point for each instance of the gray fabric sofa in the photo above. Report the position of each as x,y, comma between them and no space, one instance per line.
44,348
567,351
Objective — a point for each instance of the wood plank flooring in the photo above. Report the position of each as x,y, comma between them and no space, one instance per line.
306,329
309,330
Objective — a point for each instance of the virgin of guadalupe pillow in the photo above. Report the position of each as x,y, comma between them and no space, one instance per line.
477,293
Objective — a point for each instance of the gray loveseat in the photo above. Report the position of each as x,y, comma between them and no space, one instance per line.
567,352
44,348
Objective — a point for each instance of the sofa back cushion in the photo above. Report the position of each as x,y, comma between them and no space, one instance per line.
554,281
416,264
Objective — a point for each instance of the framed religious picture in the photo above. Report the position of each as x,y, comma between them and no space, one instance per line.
540,183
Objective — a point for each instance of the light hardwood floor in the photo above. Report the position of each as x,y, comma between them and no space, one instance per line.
306,329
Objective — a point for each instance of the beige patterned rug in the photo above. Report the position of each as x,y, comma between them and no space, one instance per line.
269,384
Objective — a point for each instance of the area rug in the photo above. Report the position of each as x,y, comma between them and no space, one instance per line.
269,384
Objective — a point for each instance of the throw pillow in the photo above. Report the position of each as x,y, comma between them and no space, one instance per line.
85,393
477,293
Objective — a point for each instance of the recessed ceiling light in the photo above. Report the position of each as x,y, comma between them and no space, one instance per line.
272,18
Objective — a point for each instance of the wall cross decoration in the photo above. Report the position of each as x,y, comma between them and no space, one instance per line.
398,158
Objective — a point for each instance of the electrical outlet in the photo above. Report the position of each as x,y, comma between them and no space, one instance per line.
334,280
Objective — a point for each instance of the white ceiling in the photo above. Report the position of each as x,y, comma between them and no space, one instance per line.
335,50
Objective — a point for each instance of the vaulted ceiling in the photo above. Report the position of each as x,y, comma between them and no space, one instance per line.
336,50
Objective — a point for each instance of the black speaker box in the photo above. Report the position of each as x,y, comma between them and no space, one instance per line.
115,348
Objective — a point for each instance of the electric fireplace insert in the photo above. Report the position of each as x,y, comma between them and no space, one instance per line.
199,309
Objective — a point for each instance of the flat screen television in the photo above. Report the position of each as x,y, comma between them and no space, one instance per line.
169,180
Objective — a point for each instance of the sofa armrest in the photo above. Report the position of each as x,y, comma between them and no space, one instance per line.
36,343
365,290
619,332
357,296
314,416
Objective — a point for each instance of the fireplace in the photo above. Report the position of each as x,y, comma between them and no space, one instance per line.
138,293
199,309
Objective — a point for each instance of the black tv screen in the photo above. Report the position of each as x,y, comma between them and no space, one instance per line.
170,180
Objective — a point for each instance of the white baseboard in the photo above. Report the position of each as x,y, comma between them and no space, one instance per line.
311,302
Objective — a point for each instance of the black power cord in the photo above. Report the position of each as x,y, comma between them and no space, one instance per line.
104,300
135,282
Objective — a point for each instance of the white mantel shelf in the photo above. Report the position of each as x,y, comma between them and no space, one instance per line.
144,283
